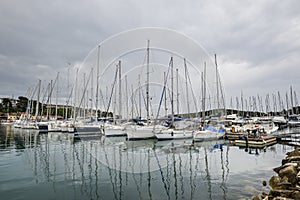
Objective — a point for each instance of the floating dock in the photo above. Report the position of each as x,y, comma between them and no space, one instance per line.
258,142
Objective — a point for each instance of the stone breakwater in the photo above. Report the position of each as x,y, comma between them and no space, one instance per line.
286,183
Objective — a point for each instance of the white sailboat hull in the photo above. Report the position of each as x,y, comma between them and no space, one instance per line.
140,133
171,134
114,131
207,135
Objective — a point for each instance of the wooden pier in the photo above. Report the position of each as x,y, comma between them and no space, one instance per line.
256,142
289,138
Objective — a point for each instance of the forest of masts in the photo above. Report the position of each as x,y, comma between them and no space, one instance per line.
270,105
273,104
87,100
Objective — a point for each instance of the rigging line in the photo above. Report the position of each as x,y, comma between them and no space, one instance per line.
162,94
102,98
135,110
84,91
222,92
44,91
30,102
51,90
112,91
71,93
193,94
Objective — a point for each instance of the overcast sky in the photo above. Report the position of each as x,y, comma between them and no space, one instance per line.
257,42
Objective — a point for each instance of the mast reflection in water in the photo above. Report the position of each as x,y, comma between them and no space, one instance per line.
53,166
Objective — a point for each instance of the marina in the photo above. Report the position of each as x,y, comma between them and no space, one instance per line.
33,164
147,122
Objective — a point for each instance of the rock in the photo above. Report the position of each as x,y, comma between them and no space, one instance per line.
296,152
298,176
264,183
282,198
284,185
274,181
281,193
277,169
256,198
290,159
284,179
290,172
296,195
264,195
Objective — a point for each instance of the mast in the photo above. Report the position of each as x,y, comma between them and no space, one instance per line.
280,105
83,96
92,94
56,96
75,96
187,89
204,91
147,88
242,103
127,105
172,92
274,103
287,103
292,102
68,89
177,85
49,99
38,100
120,91
217,80
97,83
296,103
140,98
165,96
132,102
115,97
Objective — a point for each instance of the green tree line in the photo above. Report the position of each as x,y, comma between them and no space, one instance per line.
22,105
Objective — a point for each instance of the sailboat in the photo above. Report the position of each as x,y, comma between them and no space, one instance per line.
143,130
84,125
212,130
172,132
114,129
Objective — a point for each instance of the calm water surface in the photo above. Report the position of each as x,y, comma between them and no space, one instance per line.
53,166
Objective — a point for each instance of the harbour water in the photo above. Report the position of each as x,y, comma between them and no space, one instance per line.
54,166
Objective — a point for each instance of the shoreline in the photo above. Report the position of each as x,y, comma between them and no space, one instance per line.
286,183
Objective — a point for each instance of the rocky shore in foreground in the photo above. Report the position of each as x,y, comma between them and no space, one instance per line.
286,183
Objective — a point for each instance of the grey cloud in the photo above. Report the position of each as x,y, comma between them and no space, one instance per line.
262,34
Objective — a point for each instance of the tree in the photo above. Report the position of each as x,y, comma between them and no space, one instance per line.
7,105
22,104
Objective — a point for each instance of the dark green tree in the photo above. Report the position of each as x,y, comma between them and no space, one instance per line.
7,105
22,104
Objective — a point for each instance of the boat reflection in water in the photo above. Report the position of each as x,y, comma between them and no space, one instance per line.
33,164
151,169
